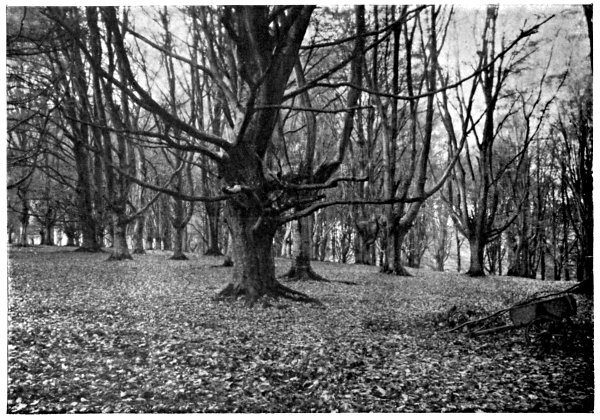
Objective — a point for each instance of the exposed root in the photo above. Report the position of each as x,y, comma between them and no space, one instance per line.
400,272
301,270
304,273
120,257
230,291
287,293
309,275
179,257
234,291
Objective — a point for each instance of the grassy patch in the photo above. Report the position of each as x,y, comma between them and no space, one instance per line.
86,335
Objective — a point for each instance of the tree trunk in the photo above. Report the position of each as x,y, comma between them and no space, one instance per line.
81,133
185,240
23,235
254,269
23,232
178,243
212,212
334,248
543,262
70,239
228,262
323,246
387,243
163,227
301,268
394,236
441,243
439,260
149,232
87,222
120,250
366,235
49,233
110,235
345,243
317,238
166,240
476,262
458,247
520,266
360,253
398,237
286,242
138,236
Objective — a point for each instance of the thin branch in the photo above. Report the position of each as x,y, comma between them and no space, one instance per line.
322,111
329,184
372,33
524,34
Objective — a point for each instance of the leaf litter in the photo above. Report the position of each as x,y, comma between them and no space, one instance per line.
90,336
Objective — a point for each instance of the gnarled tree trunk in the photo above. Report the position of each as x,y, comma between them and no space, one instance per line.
252,251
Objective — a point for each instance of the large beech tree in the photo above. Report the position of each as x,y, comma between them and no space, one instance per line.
253,78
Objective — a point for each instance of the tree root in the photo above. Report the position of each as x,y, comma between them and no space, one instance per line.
179,258
287,293
121,257
234,291
138,252
400,272
301,274
308,274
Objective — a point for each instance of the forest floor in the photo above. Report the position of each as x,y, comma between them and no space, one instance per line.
86,335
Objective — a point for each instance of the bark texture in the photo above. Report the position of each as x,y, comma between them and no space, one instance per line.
254,269
120,250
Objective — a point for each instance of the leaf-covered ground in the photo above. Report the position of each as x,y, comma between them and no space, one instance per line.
86,335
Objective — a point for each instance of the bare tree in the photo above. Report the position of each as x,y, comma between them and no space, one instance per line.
475,193
256,204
